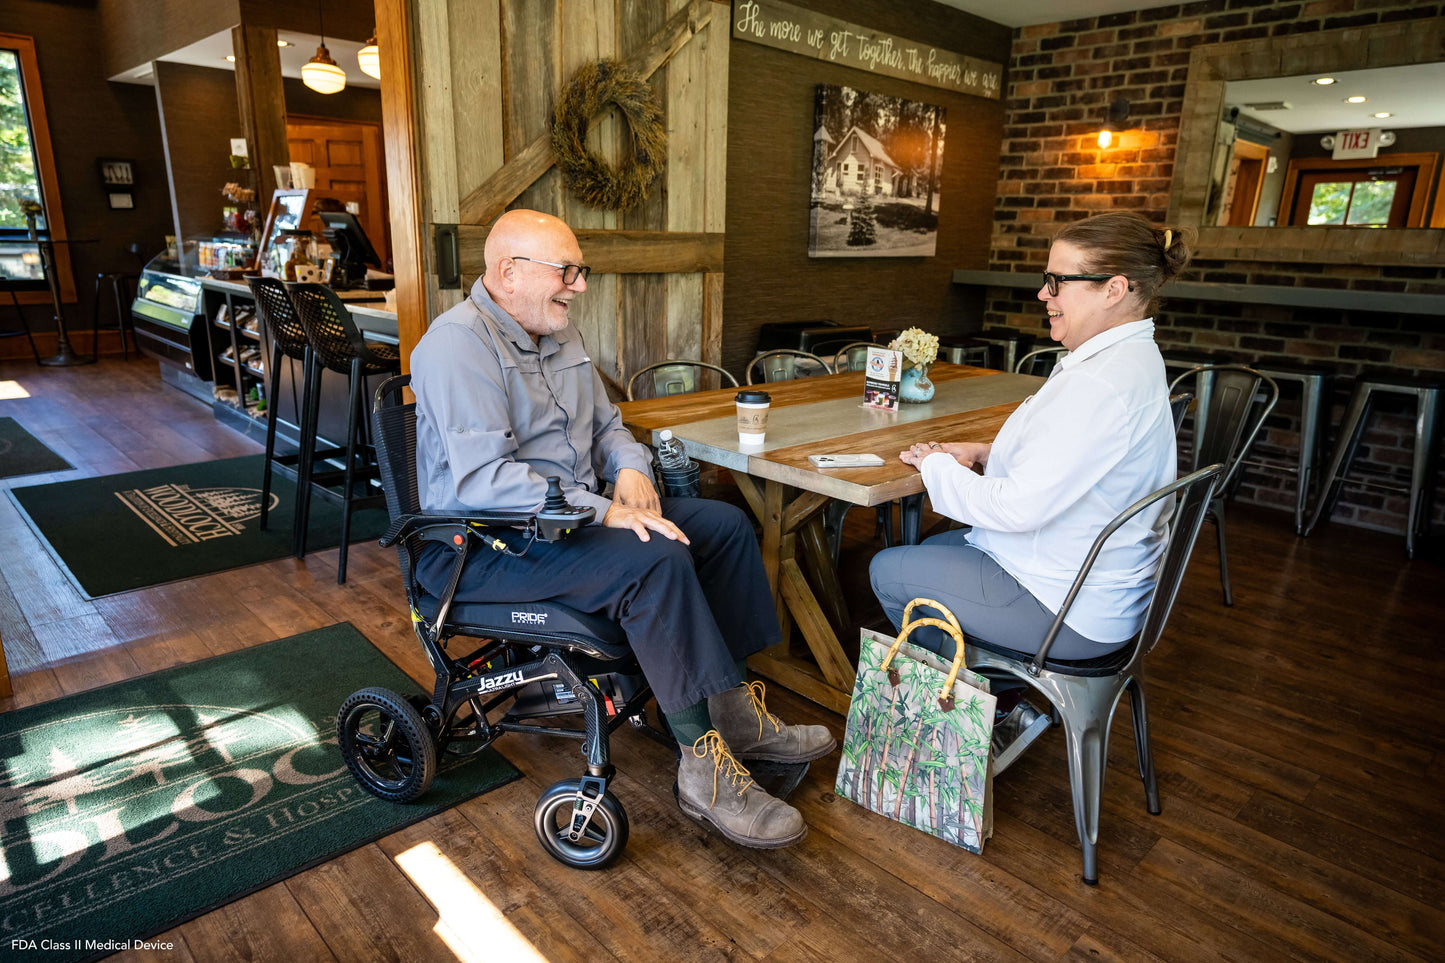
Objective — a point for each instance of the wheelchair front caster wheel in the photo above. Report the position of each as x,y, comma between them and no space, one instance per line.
386,744
600,843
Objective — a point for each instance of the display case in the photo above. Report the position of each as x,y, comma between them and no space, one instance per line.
169,322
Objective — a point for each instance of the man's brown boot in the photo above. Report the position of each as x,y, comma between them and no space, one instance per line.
713,786
752,732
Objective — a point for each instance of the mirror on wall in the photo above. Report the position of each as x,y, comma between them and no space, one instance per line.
1257,146
1285,132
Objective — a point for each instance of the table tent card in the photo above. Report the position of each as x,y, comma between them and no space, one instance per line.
880,378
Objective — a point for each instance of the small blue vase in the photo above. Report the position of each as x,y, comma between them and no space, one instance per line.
914,388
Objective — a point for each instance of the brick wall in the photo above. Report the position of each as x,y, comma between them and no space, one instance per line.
1061,79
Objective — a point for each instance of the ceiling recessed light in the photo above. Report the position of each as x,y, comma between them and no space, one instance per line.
1357,99
283,43
1323,81
1383,114
230,58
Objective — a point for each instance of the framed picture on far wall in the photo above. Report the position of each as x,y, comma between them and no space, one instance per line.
121,201
115,172
877,162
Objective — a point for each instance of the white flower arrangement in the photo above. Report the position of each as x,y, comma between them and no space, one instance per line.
918,346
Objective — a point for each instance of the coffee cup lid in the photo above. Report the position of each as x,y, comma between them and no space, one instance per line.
754,397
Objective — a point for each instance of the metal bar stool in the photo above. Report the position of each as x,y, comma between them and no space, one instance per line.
120,292
337,345
963,351
1426,393
1007,345
1315,382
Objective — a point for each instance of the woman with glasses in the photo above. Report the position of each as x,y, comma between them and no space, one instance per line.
1098,436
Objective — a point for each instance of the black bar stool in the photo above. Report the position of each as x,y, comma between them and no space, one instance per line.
1426,393
1315,382
337,345
282,328
120,293
24,322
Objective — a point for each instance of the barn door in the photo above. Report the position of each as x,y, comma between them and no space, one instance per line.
488,74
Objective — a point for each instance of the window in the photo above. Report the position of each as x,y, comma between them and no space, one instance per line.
1388,192
27,172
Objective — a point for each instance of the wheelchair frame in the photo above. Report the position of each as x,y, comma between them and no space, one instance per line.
410,732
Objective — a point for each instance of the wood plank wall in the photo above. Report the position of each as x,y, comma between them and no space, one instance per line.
490,72
770,125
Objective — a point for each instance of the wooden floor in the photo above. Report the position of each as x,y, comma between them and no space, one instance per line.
1297,738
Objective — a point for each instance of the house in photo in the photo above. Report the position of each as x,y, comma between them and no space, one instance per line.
859,165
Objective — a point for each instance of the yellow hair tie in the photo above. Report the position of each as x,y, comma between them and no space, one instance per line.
1168,237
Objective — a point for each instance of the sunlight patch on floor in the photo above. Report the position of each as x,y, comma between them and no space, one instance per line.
12,389
470,924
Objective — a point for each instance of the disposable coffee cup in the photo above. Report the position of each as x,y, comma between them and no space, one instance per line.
753,416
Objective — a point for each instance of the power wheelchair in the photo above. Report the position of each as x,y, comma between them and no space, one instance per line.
547,659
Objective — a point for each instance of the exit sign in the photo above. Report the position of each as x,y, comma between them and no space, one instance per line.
1350,144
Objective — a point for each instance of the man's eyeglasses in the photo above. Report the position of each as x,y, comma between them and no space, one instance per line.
570,272
1052,281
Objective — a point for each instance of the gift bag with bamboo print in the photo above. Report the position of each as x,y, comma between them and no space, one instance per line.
917,744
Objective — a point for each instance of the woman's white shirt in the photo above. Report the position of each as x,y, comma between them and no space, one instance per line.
1097,437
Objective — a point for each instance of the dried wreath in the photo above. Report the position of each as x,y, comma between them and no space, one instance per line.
586,173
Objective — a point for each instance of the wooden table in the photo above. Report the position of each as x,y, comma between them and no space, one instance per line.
814,416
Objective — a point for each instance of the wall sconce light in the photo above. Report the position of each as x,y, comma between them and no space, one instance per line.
321,73
368,58
1118,119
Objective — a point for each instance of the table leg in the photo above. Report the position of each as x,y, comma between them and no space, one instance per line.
829,682
64,356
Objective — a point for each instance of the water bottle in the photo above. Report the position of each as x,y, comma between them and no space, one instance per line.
670,455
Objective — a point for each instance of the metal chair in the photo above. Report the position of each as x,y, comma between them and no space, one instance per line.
852,357
1230,425
1040,362
1084,693
785,364
676,377
1179,404
337,345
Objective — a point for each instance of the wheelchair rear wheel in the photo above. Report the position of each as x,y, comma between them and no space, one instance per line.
604,839
386,744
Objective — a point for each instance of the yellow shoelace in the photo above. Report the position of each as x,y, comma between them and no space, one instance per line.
711,743
756,691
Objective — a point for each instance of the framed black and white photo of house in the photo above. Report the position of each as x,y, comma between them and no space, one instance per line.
115,172
875,179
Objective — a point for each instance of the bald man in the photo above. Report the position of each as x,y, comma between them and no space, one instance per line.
506,396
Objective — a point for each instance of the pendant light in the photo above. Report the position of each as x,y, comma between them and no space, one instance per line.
321,73
368,58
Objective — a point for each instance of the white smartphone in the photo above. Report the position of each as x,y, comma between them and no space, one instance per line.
845,461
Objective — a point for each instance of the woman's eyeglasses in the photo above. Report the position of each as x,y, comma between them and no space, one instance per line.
1052,281
570,272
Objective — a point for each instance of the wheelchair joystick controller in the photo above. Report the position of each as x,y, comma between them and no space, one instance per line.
556,518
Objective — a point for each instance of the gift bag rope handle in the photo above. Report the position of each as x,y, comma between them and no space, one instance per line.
945,695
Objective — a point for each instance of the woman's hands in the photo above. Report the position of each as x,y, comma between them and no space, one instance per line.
969,454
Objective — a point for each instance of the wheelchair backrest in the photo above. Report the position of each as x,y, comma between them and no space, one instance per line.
393,422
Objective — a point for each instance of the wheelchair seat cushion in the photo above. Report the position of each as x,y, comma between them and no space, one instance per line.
536,622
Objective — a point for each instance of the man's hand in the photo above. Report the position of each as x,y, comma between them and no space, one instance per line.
640,520
634,490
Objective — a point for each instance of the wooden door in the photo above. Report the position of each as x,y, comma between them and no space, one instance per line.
1246,181
349,167
488,76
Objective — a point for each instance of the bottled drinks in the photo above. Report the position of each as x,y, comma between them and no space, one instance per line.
670,455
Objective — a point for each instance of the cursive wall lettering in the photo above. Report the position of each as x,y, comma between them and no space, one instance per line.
786,27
